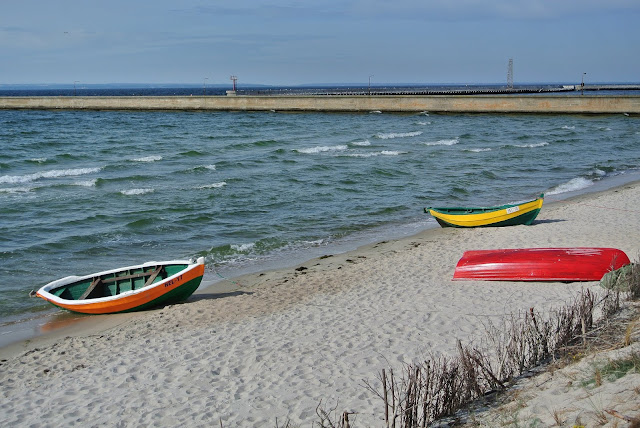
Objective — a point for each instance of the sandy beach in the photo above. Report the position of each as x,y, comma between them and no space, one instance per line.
271,346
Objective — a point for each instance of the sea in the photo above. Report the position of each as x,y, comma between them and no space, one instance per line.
85,191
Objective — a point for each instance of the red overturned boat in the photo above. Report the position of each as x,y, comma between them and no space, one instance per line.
539,264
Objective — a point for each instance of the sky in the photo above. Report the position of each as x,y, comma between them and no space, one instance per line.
294,42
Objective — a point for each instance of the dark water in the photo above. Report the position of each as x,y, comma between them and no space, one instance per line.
86,191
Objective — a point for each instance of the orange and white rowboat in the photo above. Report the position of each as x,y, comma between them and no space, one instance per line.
127,289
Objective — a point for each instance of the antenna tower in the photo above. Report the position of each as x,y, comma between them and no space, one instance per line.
234,79
510,74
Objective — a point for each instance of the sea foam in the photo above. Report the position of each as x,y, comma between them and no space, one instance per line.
532,145
241,248
152,158
446,142
133,192
56,173
212,186
361,143
391,135
578,183
322,149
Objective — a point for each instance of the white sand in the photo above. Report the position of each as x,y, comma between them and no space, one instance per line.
294,338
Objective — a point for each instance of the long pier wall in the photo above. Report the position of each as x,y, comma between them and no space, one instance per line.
590,104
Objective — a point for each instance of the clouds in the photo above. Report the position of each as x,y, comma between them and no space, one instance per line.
291,42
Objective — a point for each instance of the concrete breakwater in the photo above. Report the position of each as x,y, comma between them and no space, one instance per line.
590,104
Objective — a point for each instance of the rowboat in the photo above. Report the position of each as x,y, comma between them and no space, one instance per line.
127,289
504,215
539,264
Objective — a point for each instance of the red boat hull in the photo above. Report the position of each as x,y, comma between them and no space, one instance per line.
539,264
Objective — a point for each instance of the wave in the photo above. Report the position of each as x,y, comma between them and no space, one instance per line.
531,146
16,189
133,192
152,158
361,143
192,153
478,150
449,142
56,173
572,185
391,135
374,154
322,149
424,123
213,186
86,183
243,248
375,112
196,169
38,160
570,128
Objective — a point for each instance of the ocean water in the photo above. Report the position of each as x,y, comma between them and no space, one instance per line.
83,191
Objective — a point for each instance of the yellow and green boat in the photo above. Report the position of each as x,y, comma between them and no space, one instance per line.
504,215
132,288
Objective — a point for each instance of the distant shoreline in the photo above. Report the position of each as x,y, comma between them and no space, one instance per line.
482,103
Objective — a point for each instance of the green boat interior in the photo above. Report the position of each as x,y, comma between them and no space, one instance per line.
116,283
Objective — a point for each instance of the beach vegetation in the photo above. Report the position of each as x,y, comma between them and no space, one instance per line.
613,370
438,388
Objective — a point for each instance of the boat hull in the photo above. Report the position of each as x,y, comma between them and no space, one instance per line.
172,289
539,264
505,215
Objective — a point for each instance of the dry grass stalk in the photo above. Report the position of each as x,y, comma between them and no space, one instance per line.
327,421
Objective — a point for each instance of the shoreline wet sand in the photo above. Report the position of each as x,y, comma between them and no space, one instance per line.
273,344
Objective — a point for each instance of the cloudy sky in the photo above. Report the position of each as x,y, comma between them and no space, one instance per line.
290,42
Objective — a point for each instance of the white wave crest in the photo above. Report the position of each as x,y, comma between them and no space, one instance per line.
322,149
86,183
152,158
56,173
569,127
362,155
374,154
38,160
424,123
391,135
479,150
361,143
211,167
16,190
213,186
571,186
375,112
133,192
532,145
442,142
243,247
